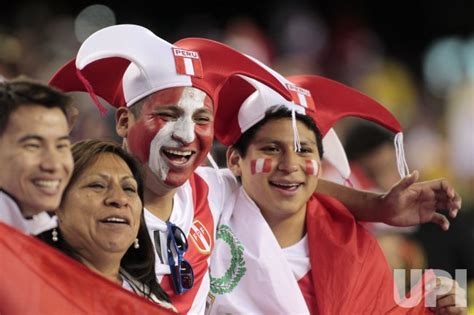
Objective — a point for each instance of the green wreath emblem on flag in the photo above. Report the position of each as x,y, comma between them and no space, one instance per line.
236,271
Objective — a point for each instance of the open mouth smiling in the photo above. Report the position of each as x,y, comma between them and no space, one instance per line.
178,157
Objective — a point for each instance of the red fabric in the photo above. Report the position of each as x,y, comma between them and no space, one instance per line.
349,270
37,279
334,101
307,289
196,257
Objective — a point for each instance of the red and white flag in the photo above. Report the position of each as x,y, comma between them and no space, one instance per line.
188,62
312,167
301,96
261,166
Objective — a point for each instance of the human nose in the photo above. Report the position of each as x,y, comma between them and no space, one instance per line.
52,160
116,197
184,131
289,162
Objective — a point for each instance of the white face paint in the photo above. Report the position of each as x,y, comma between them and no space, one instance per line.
181,129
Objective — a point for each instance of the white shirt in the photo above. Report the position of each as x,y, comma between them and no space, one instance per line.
11,215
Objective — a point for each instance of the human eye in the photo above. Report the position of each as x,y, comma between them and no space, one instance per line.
129,188
306,149
167,115
96,185
63,145
270,149
32,145
202,118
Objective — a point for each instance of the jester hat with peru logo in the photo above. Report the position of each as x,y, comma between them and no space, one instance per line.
125,63
324,100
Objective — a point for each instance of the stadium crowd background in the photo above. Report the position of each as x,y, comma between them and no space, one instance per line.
415,58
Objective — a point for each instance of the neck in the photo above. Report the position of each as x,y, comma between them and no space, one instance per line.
288,230
160,205
108,267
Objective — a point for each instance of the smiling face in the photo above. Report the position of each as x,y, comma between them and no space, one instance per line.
172,134
35,158
277,178
100,213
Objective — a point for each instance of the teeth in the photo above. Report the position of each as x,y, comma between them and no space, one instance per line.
180,153
115,219
47,183
287,185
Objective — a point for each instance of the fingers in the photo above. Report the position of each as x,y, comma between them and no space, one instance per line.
441,220
407,181
453,301
453,198
452,310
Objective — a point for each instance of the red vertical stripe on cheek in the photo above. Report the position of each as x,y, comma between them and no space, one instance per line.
267,166
253,166
312,167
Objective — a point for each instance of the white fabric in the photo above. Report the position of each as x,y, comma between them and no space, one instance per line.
143,48
297,256
266,267
254,107
335,154
221,183
10,214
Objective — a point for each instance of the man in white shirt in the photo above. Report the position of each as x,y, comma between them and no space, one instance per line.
35,156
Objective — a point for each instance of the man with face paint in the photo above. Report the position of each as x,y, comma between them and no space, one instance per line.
165,114
171,131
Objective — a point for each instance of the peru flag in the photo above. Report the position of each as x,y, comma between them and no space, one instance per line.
261,166
301,96
201,237
188,62
312,167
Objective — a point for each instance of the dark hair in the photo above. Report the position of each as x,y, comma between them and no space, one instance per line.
24,92
140,262
364,137
136,109
274,113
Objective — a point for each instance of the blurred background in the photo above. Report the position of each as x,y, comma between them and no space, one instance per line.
416,58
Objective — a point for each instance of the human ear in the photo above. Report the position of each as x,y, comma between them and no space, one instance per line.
122,119
233,161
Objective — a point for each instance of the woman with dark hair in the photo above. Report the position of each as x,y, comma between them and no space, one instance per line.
101,222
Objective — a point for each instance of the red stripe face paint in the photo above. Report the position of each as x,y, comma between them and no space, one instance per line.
312,167
261,166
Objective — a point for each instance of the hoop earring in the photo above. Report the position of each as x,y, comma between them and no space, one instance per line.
136,245
54,235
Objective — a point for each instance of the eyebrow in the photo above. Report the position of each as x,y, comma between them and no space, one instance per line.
271,140
39,138
204,109
105,176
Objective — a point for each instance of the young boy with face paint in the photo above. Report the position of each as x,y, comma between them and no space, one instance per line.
283,249
166,121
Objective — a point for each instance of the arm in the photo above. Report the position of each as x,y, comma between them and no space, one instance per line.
407,203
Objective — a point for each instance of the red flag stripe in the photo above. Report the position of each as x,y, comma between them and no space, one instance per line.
260,166
312,167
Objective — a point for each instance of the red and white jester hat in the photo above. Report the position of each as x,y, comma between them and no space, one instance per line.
335,101
324,100
125,63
